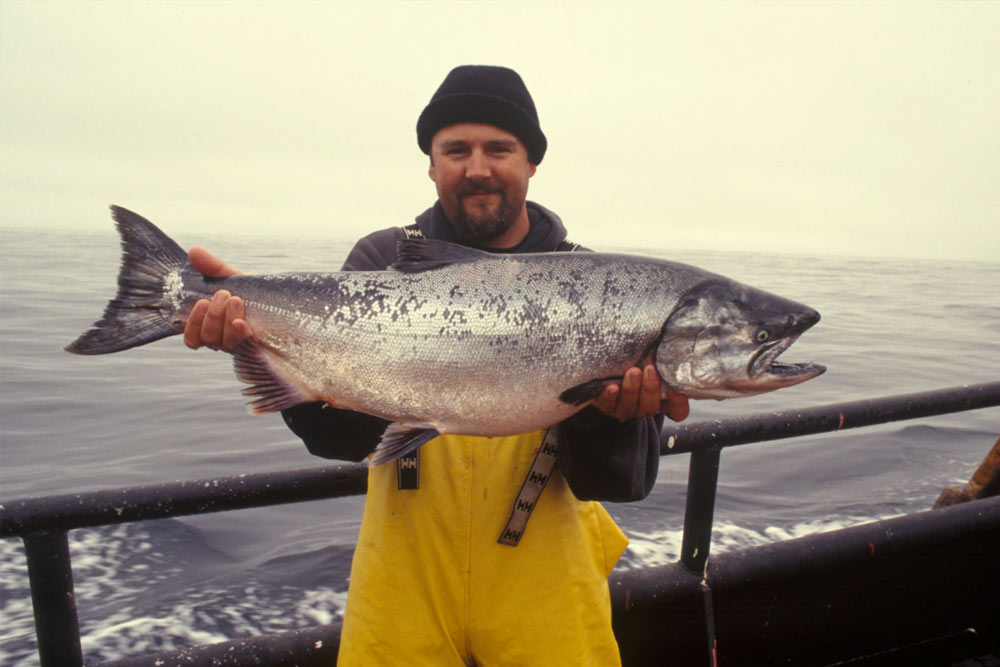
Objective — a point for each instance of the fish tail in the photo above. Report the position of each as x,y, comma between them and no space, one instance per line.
147,305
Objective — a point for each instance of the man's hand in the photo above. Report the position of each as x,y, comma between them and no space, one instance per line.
638,397
218,323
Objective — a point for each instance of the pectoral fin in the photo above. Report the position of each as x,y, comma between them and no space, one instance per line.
586,392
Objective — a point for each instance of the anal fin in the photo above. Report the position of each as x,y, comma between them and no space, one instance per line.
400,439
270,391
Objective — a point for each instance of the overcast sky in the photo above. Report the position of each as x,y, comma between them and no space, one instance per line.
841,128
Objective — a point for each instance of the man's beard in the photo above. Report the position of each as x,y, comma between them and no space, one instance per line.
479,227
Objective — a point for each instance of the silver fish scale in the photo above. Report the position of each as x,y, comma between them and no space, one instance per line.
480,347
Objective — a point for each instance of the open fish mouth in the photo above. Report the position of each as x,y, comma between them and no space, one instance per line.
765,369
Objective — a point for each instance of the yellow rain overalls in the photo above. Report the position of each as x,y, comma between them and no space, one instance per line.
436,588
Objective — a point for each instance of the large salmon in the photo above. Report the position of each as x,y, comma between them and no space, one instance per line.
456,340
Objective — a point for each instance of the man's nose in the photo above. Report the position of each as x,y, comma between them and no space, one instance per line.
477,167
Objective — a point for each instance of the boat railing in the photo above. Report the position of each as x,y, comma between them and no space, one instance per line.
43,523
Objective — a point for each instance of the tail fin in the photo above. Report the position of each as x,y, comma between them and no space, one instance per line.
143,310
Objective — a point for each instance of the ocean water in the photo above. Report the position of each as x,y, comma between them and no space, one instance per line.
163,413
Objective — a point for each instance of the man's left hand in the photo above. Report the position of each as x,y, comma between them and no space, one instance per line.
637,396
218,323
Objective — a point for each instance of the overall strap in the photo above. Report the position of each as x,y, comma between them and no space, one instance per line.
531,490
408,465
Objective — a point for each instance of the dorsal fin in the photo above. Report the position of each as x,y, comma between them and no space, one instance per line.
417,255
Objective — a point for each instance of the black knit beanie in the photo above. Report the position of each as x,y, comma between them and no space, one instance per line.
483,94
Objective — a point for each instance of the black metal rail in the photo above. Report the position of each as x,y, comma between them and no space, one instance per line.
43,522
696,436
705,440
19,518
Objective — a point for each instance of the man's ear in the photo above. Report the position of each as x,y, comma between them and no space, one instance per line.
431,171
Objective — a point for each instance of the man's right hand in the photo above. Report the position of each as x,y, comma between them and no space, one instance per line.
639,395
218,323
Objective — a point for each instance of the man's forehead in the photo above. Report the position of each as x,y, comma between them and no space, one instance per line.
474,133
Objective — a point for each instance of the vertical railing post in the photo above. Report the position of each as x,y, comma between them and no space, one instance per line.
51,576
703,476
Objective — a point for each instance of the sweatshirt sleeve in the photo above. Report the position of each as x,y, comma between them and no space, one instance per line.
605,459
334,434
345,434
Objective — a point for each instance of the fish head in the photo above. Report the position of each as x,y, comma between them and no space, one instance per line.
723,339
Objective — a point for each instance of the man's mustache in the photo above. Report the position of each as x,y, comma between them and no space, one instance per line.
467,189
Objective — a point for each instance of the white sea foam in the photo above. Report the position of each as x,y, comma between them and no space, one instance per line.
663,547
129,607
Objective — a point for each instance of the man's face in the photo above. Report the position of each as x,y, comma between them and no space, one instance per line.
481,173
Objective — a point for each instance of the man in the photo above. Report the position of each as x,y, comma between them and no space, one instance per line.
447,569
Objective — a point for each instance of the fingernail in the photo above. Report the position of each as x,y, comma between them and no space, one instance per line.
234,306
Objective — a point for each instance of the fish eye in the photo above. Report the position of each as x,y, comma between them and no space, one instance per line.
762,335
